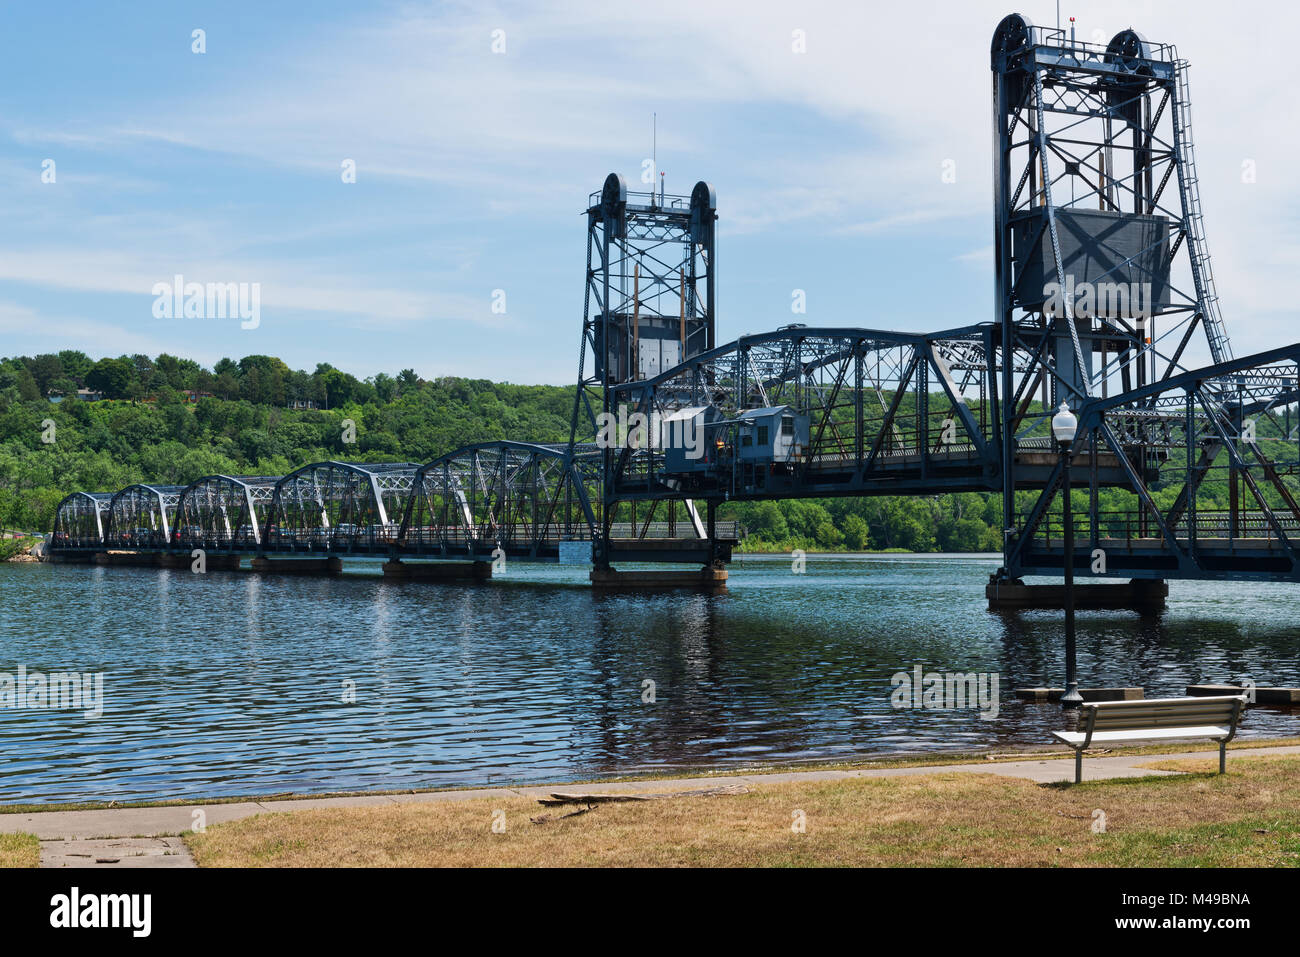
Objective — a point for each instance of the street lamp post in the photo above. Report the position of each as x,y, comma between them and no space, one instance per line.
1064,427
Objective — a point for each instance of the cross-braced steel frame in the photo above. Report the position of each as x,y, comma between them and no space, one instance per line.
890,413
339,507
1235,424
225,512
522,498
1084,132
141,516
651,281
80,520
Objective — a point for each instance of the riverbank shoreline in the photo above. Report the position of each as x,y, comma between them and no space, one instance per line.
19,548
1169,809
900,763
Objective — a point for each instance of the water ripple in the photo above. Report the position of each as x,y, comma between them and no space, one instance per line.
231,684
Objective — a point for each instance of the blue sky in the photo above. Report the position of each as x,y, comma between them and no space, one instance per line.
473,167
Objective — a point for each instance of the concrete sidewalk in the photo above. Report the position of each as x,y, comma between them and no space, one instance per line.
78,838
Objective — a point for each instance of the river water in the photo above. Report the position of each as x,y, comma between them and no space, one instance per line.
235,684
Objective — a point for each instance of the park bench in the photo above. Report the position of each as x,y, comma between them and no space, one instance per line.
1155,719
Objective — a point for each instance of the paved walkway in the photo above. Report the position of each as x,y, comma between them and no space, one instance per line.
134,836
115,852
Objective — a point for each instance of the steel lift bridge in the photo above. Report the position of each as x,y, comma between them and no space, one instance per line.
1104,299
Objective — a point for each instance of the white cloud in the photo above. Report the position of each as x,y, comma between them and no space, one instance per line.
282,286
29,330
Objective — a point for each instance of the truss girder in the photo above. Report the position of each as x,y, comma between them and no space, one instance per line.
80,520
224,512
338,507
1210,465
880,404
521,498
141,516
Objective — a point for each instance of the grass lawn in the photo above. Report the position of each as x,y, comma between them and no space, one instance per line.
1250,817
19,850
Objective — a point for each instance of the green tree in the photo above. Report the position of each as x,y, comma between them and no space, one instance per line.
857,536
111,377
766,521
28,390
829,536
76,365
47,369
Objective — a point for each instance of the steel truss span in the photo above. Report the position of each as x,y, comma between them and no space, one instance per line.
1234,425
80,520
224,512
884,413
339,507
142,516
524,499
1105,300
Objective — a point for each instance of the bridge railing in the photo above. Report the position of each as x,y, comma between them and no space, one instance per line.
729,530
459,535
1136,526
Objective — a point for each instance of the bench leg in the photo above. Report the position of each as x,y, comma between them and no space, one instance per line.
1223,757
1078,766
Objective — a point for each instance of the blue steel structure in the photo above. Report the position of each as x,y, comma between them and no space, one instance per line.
1104,299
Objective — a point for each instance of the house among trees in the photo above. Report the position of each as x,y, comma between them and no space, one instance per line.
85,395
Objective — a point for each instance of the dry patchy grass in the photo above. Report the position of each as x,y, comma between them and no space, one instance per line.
1251,816
19,850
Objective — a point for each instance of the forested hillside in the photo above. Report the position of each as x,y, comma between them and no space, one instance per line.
149,429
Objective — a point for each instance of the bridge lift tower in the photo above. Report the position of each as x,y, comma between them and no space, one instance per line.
650,305
1103,279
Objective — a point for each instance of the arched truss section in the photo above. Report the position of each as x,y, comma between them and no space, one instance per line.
882,409
141,516
520,497
339,507
81,520
224,512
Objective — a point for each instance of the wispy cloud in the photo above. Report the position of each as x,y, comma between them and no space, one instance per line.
282,286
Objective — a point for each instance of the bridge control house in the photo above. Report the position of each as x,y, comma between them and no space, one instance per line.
768,444
759,446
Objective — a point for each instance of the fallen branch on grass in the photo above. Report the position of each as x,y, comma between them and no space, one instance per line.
560,797
543,818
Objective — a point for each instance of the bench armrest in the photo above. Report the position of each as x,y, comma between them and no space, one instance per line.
1087,731
1237,709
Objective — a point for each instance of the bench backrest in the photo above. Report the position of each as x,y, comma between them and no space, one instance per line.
1164,713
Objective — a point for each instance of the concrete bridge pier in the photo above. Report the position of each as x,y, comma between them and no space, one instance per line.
1140,594
71,558
146,559
398,570
333,565
214,563
710,578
